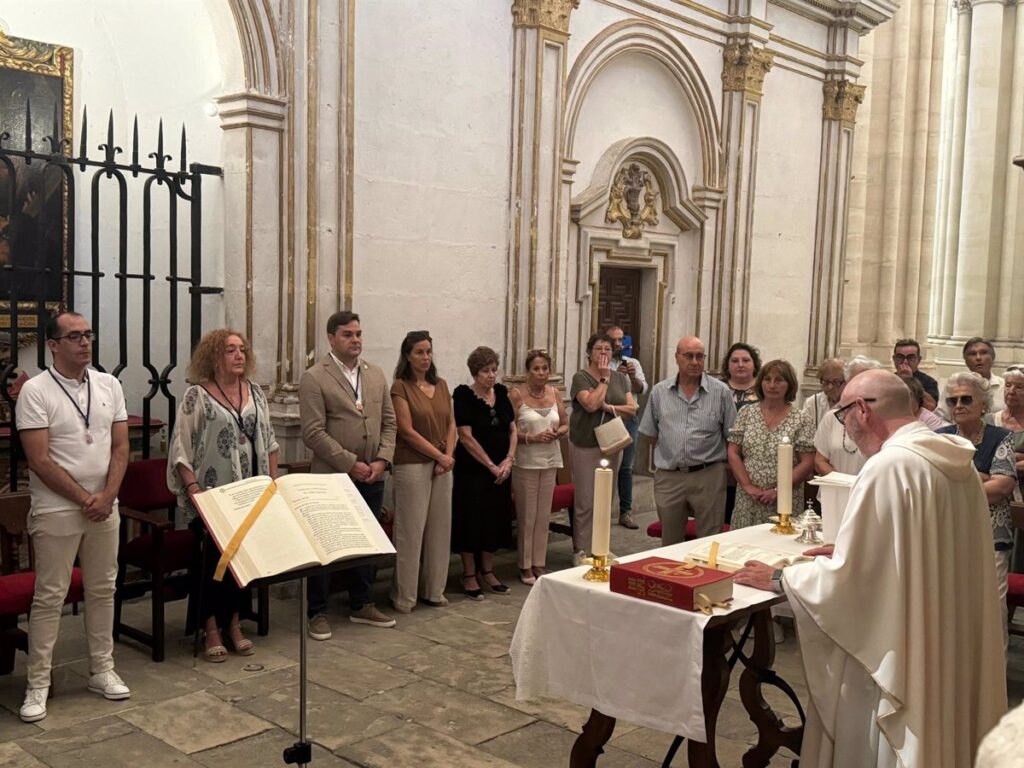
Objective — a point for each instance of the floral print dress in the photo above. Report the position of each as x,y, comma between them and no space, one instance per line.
209,440
759,448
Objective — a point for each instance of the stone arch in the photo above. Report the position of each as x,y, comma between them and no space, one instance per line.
260,69
676,203
634,36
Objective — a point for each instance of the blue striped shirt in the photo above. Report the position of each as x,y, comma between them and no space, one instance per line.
689,432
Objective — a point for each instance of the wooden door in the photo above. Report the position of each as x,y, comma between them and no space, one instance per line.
619,301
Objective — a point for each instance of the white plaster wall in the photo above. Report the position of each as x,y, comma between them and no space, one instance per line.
784,216
154,59
432,106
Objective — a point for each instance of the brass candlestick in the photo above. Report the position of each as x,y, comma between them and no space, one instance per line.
600,567
784,526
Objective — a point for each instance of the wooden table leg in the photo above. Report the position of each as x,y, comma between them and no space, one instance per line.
589,745
714,682
772,733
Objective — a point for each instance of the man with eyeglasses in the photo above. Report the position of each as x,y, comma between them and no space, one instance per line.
688,417
906,357
899,625
73,426
638,384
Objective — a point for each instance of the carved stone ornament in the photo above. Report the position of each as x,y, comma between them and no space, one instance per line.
745,67
841,100
550,14
631,201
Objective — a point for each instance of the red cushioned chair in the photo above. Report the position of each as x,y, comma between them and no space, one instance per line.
1015,581
159,552
18,584
564,497
654,529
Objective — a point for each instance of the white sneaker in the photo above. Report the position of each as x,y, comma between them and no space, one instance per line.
109,685
34,708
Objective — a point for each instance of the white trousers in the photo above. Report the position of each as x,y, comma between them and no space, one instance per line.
533,489
96,549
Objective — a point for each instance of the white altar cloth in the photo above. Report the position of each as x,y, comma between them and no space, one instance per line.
629,659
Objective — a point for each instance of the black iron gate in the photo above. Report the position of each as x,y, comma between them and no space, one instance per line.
37,287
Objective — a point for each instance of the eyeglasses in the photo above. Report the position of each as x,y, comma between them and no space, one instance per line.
840,413
695,356
965,400
75,337
905,358
832,382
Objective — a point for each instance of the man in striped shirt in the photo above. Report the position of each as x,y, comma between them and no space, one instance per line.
687,419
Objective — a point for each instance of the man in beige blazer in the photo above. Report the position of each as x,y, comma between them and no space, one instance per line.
349,425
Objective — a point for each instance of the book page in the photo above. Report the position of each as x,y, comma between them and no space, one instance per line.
732,557
837,479
334,516
274,544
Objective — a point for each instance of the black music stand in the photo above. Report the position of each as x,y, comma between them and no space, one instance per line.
301,752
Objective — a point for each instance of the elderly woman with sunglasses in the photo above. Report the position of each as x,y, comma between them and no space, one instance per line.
482,497
968,398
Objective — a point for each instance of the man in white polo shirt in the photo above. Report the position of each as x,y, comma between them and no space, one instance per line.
74,429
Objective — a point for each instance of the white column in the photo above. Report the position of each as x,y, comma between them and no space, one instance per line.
539,199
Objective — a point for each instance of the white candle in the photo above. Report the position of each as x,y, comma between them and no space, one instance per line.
784,474
602,531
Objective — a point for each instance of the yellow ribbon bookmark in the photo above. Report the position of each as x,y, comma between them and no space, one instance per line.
243,529
713,556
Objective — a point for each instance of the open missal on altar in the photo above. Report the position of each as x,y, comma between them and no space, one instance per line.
732,557
671,582
312,519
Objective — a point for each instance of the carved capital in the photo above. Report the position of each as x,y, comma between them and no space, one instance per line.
550,14
745,67
962,6
841,100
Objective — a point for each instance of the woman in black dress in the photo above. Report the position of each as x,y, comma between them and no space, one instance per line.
482,496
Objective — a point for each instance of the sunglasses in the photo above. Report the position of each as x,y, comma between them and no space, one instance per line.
964,400
840,413
494,418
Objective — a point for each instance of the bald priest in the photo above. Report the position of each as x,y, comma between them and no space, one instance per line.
900,631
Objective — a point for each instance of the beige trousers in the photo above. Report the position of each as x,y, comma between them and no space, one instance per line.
584,462
678,495
423,533
533,489
96,549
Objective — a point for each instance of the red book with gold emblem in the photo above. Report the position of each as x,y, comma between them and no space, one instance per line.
671,582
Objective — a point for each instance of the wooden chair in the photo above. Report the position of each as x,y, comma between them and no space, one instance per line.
1015,581
161,554
18,578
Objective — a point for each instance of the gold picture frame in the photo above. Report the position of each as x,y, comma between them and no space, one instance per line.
34,203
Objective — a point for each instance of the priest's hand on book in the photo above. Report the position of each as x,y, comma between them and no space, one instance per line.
825,551
755,574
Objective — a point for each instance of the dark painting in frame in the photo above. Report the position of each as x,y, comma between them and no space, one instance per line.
36,82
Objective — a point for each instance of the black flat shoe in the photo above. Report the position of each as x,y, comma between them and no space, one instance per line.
472,594
499,588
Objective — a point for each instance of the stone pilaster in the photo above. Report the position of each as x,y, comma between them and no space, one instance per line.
745,65
537,236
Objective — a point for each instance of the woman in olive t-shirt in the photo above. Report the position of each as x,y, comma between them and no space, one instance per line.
598,395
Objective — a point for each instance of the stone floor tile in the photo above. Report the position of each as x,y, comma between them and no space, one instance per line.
259,684
129,751
70,703
265,749
236,667
13,756
648,743
415,745
459,669
381,644
333,719
149,681
355,675
454,713
543,745
195,722
469,634
558,712
50,743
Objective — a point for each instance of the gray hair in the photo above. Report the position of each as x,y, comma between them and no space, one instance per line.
1015,371
970,379
859,364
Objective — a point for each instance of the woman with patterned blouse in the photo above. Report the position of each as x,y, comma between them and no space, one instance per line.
754,443
222,433
968,398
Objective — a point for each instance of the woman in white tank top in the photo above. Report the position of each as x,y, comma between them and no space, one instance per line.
542,423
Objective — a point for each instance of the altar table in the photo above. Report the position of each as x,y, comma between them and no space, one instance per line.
649,664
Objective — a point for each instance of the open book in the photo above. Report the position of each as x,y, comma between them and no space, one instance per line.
312,519
732,557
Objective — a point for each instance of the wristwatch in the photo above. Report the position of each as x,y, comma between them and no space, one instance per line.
777,580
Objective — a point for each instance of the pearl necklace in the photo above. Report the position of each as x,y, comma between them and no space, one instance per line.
534,395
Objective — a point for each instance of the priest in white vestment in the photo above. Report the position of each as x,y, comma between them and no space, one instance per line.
899,630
